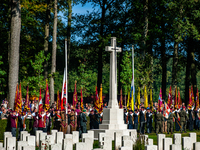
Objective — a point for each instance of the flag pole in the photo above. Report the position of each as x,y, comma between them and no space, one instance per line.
66,75
133,70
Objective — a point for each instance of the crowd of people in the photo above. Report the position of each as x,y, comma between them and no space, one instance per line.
75,119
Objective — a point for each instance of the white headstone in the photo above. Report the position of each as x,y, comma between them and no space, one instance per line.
38,137
75,135
1,145
84,135
91,134
50,138
144,139
6,134
128,143
177,138
175,147
59,137
30,140
67,144
81,146
89,143
20,144
166,143
11,143
68,136
126,137
28,147
53,132
24,136
187,144
151,147
133,135
110,133
21,134
47,144
42,145
125,148
56,147
196,146
42,136
160,138
100,137
193,137
107,143
118,139
150,141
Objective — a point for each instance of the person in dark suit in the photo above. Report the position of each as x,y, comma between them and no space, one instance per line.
83,122
142,120
135,115
130,119
149,120
96,119
91,116
125,116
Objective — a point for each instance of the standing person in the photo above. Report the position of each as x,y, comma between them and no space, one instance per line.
130,120
57,120
149,120
196,112
91,116
83,122
68,121
64,122
191,119
73,121
13,119
160,119
142,120
170,122
41,121
135,115
184,118
125,116
177,120
35,123
96,119
48,122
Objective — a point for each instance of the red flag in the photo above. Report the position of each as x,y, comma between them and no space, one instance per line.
179,100
19,104
16,98
190,100
160,101
47,98
97,100
58,101
197,98
27,99
40,103
176,98
75,99
100,100
120,101
169,102
63,98
82,100
192,93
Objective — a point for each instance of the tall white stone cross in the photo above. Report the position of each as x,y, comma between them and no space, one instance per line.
113,49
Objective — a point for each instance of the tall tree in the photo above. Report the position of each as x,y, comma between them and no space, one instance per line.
69,29
54,47
14,50
46,36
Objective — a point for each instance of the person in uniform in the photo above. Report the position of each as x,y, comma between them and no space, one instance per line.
159,125
96,119
57,120
184,118
130,120
91,116
83,122
63,122
170,123
68,121
42,120
73,121
135,115
191,119
125,116
35,123
142,120
149,120
196,113
177,120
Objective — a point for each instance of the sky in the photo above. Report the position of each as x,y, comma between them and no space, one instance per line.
82,9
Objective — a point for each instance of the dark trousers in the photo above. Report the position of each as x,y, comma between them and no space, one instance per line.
191,124
34,130
13,131
142,127
130,126
136,126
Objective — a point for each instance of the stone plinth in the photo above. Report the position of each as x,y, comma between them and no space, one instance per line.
175,147
151,147
160,138
166,143
177,138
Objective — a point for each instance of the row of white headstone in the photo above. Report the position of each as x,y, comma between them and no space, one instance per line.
123,140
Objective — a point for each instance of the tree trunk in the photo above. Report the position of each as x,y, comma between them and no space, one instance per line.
14,50
100,62
193,73
46,38
54,46
69,29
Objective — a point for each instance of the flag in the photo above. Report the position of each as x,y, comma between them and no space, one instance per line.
27,100
190,100
166,110
197,98
96,100
40,102
100,100
132,101
160,101
151,99
19,103
63,93
16,98
120,101
145,97
82,100
47,97
192,93
128,101
179,99
176,98
75,99
169,101
138,98
58,101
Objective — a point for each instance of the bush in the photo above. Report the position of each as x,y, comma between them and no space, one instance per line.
29,125
3,128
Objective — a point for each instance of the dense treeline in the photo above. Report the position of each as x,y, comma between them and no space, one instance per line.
165,35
